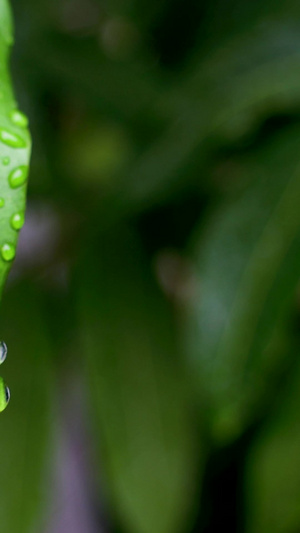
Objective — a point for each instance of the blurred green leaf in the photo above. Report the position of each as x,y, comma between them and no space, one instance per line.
272,469
236,17
117,88
223,96
247,266
5,23
15,148
248,76
140,404
25,424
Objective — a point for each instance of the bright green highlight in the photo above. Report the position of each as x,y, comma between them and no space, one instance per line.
18,176
19,119
12,139
6,161
17,221
2,202
8,251
4,395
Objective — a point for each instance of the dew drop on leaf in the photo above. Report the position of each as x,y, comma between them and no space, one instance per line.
8,251
17,221
3,352
18,176
12,139
19,119
7,394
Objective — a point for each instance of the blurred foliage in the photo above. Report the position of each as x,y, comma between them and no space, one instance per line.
247,276
159,262
139,399
26,425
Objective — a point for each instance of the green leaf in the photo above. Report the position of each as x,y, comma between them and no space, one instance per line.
6,26
228,91
248,77
25,424
272,469
247,266
116,89
15,148
140,405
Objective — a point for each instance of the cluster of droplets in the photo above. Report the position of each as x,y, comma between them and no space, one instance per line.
16,178
4,390
11,138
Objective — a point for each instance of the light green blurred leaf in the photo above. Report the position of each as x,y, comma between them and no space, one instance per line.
15,148
25,424
6,30
247,266
140,405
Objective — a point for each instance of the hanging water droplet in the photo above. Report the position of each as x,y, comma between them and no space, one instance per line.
18,118
7,394
18,176
2,202
8,251
5,161
17,221
12,139
3,352
4,395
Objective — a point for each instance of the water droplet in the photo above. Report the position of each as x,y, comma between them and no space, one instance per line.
2,202
18,176
7,394
8,251
18,118
17,221
6,161
3,352
12,139
4,395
